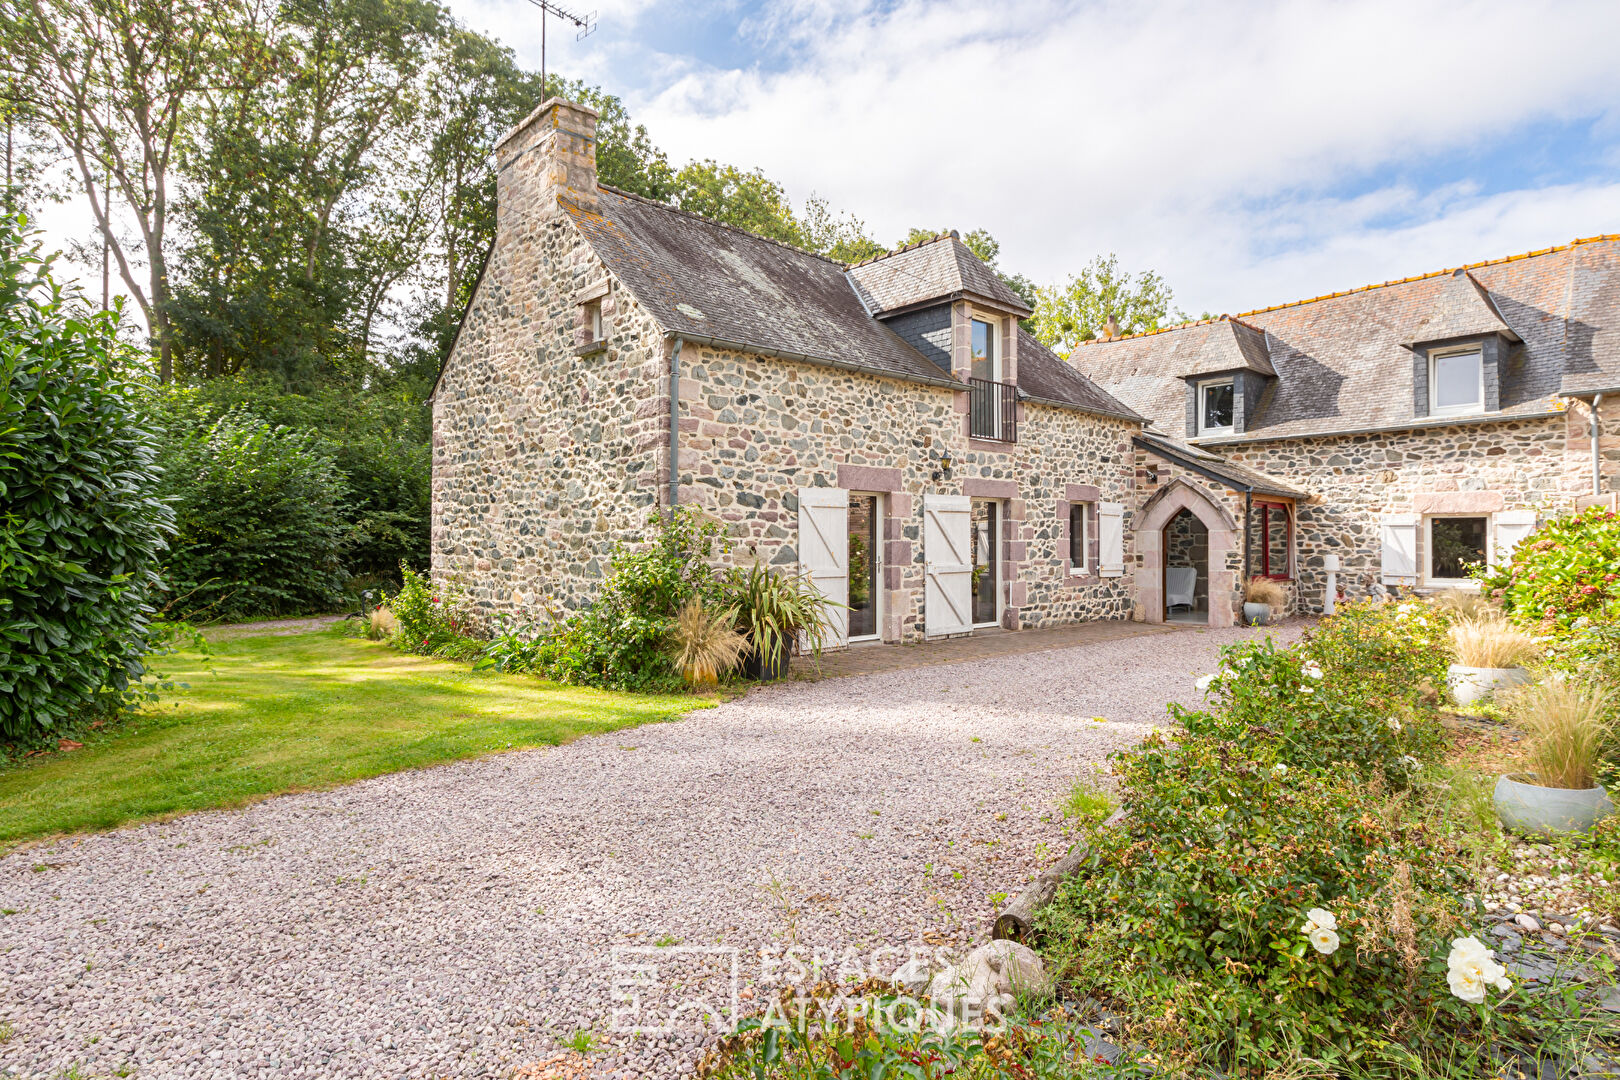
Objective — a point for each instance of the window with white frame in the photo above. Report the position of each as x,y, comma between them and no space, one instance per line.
1217,400
593,321
1456,381
1079,538
1455,543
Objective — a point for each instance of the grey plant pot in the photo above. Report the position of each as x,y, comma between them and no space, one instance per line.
1257,614
1546,811
1471,684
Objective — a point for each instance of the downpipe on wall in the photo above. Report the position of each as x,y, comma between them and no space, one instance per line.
1597,440
674,427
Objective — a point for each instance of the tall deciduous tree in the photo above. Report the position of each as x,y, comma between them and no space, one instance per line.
113,79
1069,314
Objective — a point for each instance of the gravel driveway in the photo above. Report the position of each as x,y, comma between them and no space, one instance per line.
458,921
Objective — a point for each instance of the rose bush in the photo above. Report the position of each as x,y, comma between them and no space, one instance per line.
1351,692
1255,909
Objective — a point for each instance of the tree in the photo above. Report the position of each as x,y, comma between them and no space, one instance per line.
747,199
113,79
1065,316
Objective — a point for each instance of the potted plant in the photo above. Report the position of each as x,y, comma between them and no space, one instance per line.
1569,722
1262,597
1490,654
775,611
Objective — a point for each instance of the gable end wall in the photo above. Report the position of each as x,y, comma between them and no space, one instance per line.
543,459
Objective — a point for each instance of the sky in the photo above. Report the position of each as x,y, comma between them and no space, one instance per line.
1251,153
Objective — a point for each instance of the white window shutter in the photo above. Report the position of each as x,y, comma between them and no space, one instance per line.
947,565
1400,548
1110,539
824,554
1512,526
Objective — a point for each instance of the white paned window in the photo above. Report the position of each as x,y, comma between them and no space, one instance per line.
1217,401
1456,382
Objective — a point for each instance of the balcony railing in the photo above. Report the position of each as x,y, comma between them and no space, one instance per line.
993,410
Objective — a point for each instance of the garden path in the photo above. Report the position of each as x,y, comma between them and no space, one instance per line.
462,920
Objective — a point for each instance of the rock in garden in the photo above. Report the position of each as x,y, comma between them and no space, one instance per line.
1526,921
913,976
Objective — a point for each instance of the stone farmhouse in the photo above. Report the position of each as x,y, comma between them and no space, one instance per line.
888,429
1432,420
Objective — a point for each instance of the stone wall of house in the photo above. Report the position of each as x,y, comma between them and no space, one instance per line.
544,457
755,430
1533,464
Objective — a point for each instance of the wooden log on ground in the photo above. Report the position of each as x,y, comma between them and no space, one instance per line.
1017,920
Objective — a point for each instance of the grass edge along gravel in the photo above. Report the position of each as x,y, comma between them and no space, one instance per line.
267,715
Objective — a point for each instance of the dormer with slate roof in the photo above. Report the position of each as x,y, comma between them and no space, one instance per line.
1460,345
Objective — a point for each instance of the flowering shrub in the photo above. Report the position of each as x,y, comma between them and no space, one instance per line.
1310,714
1566,570
1253,906
432,621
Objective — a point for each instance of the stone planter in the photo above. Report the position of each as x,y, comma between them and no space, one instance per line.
758,667
1533,810
1471,684
1257,614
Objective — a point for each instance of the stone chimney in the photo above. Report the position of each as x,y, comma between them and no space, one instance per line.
1110,329
549,156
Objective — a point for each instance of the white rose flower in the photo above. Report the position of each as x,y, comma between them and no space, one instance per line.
1324,941
1394,724
1280,768
1318,917
1470,969
1313,669
1307,689
1404,608
1202,683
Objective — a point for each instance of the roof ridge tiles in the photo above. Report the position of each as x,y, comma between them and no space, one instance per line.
1466,267
721,224
902,248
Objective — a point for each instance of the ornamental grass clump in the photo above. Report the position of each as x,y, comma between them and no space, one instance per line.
1490,642
1570,723
703,645
1263,590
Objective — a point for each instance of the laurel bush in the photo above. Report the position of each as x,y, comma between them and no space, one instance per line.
82,526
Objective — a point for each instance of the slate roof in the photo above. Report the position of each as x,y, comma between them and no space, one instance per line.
1240,477
927,272
1043,376
1342,362
706,280
1461,308
711,282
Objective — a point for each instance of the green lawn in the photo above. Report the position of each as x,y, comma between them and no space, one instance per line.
273,714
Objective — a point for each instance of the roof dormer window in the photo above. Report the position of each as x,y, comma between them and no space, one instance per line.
1457,381
1217,406
985,356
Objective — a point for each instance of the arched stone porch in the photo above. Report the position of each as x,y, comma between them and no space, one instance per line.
1225,551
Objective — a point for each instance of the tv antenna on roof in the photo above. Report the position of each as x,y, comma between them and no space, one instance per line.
586,24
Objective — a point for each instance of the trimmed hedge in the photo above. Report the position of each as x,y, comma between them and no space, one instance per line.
82,527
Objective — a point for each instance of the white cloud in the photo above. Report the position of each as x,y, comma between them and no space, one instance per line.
1189,137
